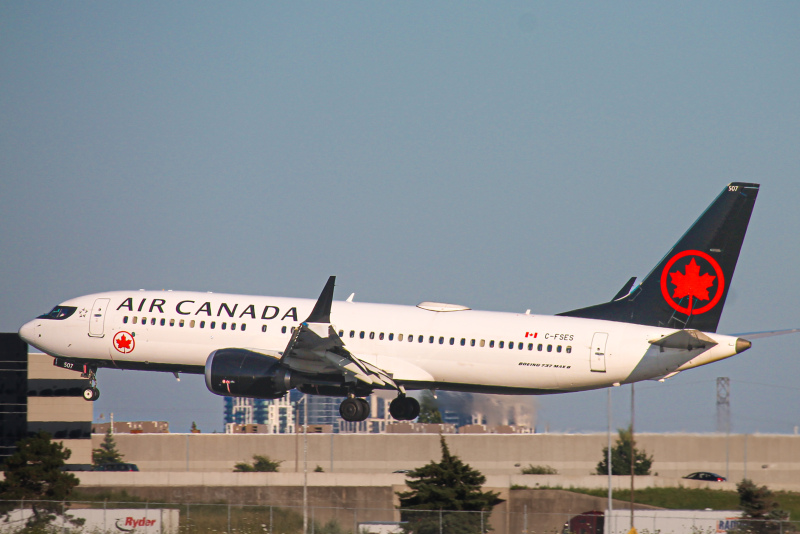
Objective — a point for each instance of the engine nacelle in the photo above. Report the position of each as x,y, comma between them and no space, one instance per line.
244,373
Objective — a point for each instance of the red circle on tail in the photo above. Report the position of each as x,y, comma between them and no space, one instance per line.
671,300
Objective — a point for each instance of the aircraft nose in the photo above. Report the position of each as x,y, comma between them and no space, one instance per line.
742,345
27,332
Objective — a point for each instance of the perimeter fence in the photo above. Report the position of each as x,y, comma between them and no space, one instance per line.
103,517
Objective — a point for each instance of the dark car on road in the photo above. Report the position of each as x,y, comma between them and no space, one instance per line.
705,476
117,467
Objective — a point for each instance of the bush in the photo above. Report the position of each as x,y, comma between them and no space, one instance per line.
539,470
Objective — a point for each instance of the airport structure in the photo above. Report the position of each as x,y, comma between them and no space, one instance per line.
35,395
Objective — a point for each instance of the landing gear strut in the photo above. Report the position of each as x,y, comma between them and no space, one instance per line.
404,408
91,393
354,409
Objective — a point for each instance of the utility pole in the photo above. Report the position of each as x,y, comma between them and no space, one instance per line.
724,416
633,457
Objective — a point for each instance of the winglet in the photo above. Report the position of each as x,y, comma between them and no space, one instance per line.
322,309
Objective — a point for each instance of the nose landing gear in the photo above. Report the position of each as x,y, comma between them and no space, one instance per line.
91,393
404,408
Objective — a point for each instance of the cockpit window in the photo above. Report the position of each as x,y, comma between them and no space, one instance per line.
59,313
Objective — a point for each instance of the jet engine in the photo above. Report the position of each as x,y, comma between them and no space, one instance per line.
244,373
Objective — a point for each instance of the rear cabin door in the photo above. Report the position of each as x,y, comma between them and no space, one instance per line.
598,352
98,317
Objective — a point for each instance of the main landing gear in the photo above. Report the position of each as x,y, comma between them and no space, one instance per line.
91,393
354,409
401,408
404,408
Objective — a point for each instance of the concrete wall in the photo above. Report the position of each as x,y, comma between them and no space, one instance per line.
771,459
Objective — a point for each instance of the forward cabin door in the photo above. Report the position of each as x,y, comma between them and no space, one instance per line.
598,352
98,317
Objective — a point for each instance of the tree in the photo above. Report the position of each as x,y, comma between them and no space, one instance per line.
439,491
33,474
760,507
428,409
621,457
107,453
260,464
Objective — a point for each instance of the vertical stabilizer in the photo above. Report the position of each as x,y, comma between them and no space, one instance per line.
688,287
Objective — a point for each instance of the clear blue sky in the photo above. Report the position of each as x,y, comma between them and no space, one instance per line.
505,156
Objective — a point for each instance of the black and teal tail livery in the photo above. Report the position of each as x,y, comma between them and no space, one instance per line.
688,287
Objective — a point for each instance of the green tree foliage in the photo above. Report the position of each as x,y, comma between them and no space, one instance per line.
449,486
539,470
261,464
107,453
621,453
759,508
428,409
33,474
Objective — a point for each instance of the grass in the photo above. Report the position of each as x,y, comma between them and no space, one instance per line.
695,499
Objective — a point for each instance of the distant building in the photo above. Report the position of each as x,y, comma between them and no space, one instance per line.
132,427
35,395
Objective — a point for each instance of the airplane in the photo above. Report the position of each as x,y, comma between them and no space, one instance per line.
263,347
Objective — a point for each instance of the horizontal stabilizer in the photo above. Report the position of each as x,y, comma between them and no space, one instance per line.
685,340
758,335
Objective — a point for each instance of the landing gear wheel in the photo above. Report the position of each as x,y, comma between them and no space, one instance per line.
404,408
364,413
91,394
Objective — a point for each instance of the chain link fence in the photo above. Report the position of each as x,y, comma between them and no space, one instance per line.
102,517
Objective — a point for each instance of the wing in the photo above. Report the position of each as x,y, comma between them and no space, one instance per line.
316,348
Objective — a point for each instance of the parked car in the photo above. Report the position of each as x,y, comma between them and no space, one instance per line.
708,477
117,467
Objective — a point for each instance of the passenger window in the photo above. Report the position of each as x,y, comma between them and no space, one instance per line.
471,342
463,342
539,348
483,343
530,346
224,325
233,326
361,335
502,344
420,338
125,319
441,340
352,333
569,349
399,337
372,335
144,320
242,327
203,325
172,322
163,322
549,348
181,323
491,344
263,327
430,339
558,348
283,329
213,325
453,340
519,346
134,320
341,333
292,329
380,336
391,337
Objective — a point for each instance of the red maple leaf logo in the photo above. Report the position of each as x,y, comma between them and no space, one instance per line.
123,343
691,283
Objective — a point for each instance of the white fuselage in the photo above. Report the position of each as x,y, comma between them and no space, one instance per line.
466,350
